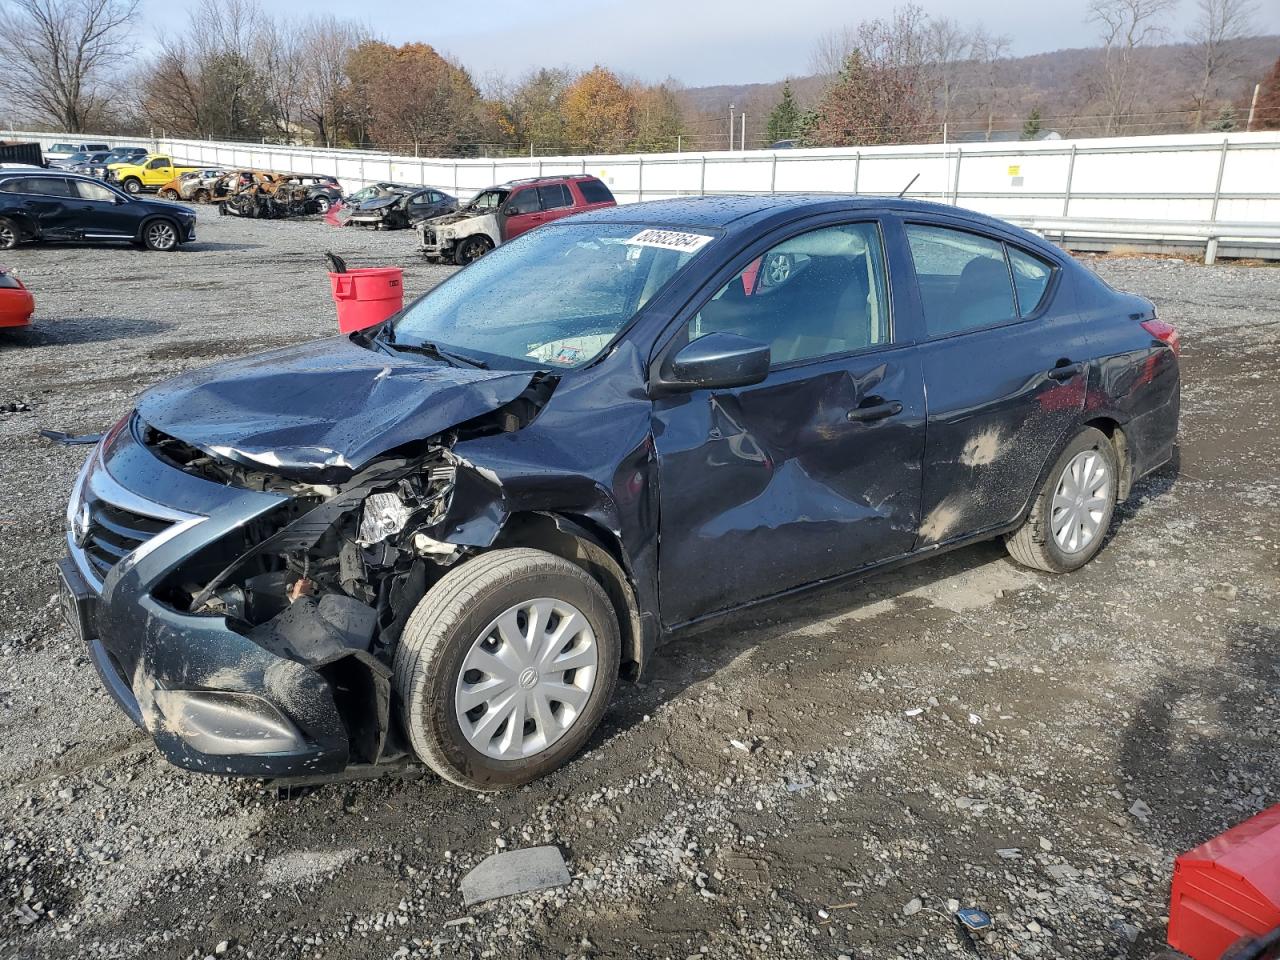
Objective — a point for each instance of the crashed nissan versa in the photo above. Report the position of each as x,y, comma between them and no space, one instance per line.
450,535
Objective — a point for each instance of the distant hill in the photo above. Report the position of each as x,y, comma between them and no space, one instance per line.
1057,83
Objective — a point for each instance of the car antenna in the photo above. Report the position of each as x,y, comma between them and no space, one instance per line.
908,186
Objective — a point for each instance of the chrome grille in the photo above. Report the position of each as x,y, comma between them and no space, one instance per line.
107,524
114,533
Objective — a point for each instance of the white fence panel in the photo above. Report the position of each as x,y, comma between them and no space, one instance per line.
1192,177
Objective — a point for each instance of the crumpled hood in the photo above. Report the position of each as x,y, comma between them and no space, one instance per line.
466,213
381,203
322,410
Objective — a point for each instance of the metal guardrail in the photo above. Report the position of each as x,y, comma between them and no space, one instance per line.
1210,232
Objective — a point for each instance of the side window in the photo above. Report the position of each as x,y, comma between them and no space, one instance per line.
554,196
48,186
963,277
522,201
1030,278
158,163
815,295
93,191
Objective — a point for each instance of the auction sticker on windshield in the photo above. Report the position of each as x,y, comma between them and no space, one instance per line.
670,240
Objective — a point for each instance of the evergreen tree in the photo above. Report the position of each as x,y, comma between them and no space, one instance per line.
1031,129
784,118
1226,121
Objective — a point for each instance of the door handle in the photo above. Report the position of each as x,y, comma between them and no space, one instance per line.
1065,371
876,411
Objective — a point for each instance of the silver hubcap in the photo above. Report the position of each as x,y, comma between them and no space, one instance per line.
1080,502
162,235
526,679
7,236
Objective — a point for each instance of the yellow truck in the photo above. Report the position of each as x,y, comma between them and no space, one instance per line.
150,173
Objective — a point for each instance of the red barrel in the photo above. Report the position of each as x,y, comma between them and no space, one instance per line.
367,296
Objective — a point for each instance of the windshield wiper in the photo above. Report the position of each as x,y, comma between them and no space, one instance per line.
432,350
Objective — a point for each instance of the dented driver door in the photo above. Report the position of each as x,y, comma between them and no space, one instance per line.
812,473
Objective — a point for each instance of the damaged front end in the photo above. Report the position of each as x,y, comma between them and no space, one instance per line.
249,622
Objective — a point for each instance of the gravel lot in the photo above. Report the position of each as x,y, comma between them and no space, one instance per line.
818,781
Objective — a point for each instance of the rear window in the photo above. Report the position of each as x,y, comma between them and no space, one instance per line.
1030,278
594,191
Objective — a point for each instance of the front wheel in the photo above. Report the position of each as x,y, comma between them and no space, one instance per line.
132,185
168,194
160,235
506,667
1072,512
471,249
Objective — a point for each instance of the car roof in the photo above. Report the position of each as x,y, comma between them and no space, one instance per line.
734,212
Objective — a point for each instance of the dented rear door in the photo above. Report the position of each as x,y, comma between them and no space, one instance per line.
1005,378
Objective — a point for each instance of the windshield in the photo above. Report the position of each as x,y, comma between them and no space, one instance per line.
552,298
489,200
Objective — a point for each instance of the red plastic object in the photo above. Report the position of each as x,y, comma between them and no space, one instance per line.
16,302
331,215
1227,889
367,296
1165,333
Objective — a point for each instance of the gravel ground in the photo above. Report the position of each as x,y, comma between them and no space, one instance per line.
826,779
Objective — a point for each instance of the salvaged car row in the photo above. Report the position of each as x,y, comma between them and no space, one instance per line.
46,207
447,536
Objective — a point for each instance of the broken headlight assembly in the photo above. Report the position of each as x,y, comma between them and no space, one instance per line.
384,515
417,501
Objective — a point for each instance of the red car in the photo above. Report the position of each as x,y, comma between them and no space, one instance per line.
502,213
16,304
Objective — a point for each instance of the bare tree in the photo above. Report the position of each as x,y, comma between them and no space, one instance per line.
1125,26
1215,38
57,54
831,51
948,46
988,50
326,43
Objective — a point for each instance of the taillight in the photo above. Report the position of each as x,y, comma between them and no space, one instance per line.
1165,333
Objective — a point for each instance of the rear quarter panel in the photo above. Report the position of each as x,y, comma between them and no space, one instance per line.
1134,378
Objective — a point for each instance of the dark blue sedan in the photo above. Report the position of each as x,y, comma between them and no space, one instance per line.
449,535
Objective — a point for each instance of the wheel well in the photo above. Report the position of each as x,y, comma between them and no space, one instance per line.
577,540
1120,444
159,216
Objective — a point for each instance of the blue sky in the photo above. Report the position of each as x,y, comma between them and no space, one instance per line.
698,42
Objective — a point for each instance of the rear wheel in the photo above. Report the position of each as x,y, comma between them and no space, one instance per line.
160,235
506,667
1072,512
322,204
202,196
132,185
471,249
8,234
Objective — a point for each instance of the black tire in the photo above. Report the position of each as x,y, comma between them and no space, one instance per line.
9,234
322,204
132,185
441,632
161,234
169,195
471,249
202,196
1033,544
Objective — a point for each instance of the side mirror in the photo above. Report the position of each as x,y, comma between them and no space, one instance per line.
716,361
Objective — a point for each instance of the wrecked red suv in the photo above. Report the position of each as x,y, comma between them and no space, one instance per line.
502,213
